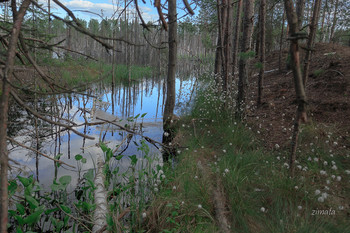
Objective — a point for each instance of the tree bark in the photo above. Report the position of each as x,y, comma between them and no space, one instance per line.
298,81
228,39
236,36
262,49
7,72
281,42
243,62
300,12
170,83
311,40
331,38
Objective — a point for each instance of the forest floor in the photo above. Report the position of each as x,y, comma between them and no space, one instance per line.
234,177
327,90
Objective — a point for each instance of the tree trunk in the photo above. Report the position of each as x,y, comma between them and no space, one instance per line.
331,38
243,62
298,81
4,101
170,83
323,20
300,12
236,37
311,40
228,48
281,42
262,49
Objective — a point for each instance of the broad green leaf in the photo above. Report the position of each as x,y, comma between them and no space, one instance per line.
12,213
133,159
83,160
65,220
12,187
19,230
103,147
25,181
33,218
109,154
65,180
32,202
137,116
47,212
19,219
20,208
78,157
56,187
119,157
143,115
89,175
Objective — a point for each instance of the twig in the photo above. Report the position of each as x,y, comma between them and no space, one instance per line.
20,102
36,151
77,219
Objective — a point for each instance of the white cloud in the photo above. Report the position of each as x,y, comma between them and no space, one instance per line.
107,9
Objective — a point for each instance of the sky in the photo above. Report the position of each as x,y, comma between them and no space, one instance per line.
106,8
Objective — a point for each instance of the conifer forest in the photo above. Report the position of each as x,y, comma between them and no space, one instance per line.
175,116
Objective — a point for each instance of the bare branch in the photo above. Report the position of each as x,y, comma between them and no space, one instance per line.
21,103
36,151
161,15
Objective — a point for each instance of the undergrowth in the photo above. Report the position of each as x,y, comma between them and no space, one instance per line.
260,194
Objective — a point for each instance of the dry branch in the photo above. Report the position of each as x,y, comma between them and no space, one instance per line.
36,151
35,113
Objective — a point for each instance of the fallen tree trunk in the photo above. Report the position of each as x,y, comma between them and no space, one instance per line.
100,194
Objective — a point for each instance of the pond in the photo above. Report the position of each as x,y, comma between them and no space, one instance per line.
143,99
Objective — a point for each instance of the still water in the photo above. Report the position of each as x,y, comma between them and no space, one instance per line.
85,111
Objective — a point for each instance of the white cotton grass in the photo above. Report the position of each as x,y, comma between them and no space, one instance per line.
262,209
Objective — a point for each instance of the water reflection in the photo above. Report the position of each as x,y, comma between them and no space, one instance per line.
85,114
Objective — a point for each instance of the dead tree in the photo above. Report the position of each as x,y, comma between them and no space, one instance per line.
4,101
294,37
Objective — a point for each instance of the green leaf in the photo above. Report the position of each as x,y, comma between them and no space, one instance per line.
133,159
137,116
83,160
89,175
143,115
25,181
65,220
20,208
109,154
78,157
56,187
32,202
33,218
119,157
47,212
103,147
66,209
19,230
65,180
19,219
12,187
116,170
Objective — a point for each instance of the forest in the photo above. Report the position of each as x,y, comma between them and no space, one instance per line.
209,116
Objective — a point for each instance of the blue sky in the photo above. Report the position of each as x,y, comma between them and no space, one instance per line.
107,7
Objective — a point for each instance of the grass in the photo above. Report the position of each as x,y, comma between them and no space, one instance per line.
260,195
78,72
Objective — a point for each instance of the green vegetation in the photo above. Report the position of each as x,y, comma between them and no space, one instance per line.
80,72
260,195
